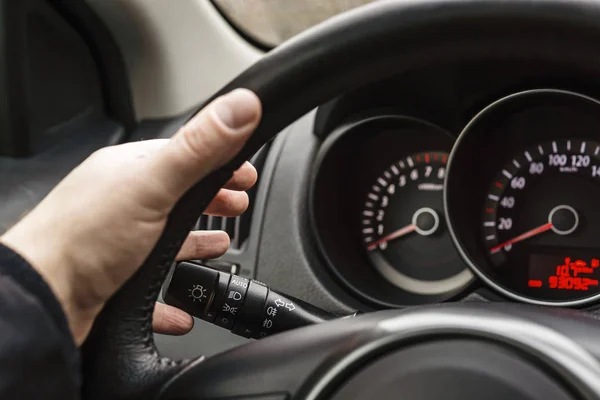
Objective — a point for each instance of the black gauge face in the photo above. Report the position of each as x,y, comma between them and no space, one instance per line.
540,221
403,227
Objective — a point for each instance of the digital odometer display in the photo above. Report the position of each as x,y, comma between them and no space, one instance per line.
540,220
552,275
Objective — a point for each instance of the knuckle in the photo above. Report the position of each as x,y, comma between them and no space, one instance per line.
197,140
220,134
190,140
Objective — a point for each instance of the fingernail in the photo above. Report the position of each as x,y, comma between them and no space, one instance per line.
237,108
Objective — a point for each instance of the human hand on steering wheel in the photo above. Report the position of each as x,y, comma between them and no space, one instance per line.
94,230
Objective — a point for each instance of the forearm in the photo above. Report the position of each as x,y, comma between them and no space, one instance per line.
38,357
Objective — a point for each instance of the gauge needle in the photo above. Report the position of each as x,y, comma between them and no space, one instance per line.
394,235
534,232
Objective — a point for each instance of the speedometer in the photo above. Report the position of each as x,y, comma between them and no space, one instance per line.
522,193
540,219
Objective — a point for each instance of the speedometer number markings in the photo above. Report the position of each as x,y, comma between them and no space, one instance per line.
522,197
504,217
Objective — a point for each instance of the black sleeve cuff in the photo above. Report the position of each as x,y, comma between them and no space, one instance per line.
16,267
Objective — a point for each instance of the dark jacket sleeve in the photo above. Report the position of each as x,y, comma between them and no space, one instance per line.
38,357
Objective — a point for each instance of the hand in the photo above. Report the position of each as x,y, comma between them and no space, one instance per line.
97,226
203,245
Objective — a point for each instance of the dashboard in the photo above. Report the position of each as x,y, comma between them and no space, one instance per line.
398,194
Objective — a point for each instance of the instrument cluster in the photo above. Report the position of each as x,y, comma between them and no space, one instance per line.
405,212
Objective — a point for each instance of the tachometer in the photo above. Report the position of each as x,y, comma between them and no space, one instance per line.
540,221
377,212
404,231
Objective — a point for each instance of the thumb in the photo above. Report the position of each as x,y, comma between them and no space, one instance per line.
206,142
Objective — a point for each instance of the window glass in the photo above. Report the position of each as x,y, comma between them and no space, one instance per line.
270,22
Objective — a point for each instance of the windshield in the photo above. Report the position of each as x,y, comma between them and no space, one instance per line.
270,22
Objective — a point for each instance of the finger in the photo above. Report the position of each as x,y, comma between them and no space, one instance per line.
208,141
228,203
243,179
169,320
200,245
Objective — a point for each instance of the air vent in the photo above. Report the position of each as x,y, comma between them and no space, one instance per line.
237,228
238,233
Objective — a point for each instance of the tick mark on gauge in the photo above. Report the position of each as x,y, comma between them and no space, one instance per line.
369,204
554,147
387,174
569,145
410,162
382,182
373,197
506,174
493,197
368,213
528,156
516,164
541,150
490,237
490,224
597,150
582,150
395,170
376,189
401,164
368,230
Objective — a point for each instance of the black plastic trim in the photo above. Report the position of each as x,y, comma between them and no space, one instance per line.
107,55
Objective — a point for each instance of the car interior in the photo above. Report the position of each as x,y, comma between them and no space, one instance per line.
413,233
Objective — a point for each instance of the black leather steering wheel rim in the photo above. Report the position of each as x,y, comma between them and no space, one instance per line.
120,360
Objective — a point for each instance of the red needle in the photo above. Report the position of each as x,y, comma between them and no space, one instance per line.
394,235
526,235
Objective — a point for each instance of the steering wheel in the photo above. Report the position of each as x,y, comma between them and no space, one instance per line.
468,350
